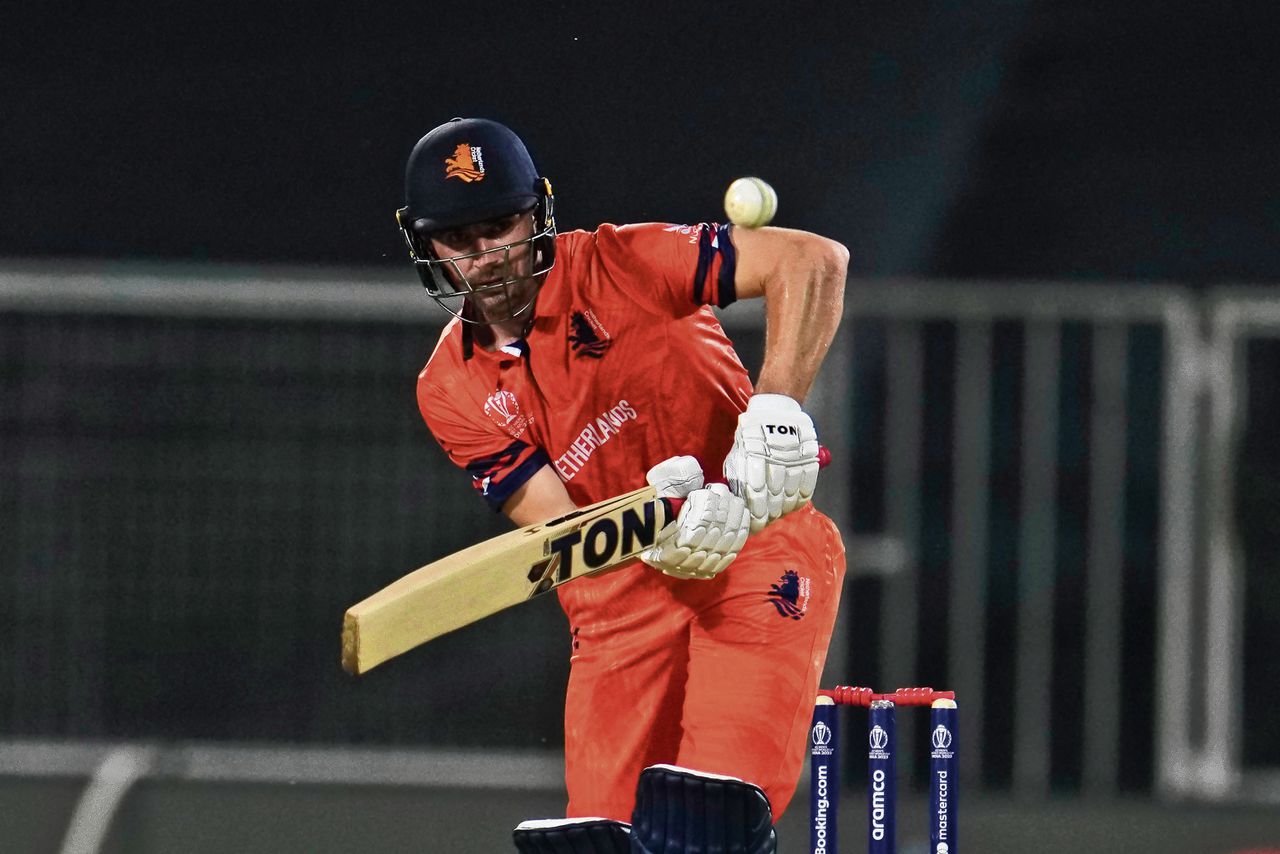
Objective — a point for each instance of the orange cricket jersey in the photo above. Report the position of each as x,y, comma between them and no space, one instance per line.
624,367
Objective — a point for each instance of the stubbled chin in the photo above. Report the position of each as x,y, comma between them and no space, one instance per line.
500,307
495,301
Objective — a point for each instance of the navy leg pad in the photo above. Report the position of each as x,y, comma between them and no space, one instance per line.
572,836
681,811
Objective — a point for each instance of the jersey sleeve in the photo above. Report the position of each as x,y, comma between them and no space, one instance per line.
497,463
671,269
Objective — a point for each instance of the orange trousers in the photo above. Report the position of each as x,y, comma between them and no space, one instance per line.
717,675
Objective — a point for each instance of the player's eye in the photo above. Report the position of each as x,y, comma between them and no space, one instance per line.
452,238
500,227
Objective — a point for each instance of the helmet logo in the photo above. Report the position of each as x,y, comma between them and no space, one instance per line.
467,163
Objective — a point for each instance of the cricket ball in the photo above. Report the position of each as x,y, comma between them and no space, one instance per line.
750,202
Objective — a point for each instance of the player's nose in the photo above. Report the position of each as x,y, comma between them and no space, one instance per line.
487,244
493,258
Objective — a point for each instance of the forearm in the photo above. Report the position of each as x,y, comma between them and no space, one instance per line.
804,301
540,498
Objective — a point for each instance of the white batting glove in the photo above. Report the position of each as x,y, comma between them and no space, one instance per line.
710,530
773,465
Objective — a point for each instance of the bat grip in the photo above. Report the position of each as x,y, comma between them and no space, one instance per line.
674,504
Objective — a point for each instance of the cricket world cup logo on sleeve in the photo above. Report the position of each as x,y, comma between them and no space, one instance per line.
503,407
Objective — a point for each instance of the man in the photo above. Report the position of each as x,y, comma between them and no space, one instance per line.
578,362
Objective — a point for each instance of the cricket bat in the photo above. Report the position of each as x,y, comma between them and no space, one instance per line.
500,572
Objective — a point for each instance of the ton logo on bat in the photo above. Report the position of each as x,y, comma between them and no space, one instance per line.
603,543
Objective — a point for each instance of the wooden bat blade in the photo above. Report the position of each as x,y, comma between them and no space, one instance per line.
500,572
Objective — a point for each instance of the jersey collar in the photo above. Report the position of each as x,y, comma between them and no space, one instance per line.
517,349
552,301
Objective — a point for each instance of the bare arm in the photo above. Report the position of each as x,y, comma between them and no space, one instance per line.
801,277
542,497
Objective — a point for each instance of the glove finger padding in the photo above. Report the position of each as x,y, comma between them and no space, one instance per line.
705,538
773,465
675,477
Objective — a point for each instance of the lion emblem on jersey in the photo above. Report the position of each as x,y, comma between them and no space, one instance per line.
587,335
790,596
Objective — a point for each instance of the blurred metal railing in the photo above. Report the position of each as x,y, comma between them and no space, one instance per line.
1209,709
1033,450
1033,318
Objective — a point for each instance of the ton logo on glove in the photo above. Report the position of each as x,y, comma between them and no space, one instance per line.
773,465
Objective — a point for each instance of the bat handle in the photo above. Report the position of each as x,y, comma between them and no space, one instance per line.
674,504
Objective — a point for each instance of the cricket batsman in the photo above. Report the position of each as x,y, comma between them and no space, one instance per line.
580,365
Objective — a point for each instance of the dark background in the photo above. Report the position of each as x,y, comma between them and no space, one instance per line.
998,138
1129,142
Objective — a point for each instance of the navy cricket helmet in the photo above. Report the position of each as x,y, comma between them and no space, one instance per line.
463,172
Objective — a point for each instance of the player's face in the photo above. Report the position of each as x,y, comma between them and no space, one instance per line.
491,261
